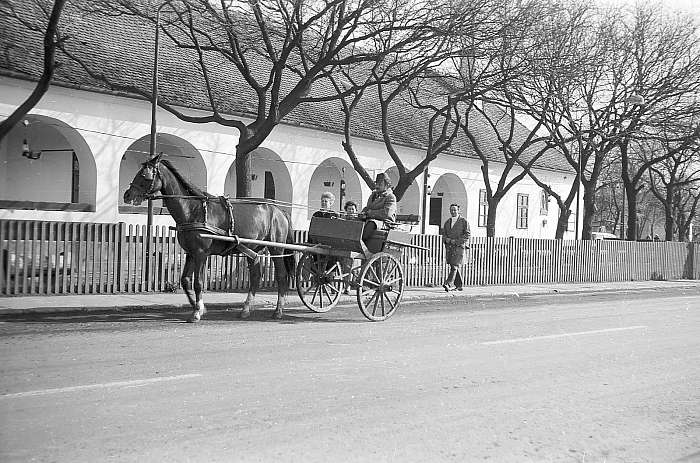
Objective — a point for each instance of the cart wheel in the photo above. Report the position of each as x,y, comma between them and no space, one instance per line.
380,287
319,281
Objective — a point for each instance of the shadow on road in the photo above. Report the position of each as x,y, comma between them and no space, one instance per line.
292,316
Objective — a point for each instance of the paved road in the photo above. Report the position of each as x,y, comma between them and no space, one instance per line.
556,379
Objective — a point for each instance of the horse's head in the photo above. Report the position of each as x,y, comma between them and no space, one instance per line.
146,182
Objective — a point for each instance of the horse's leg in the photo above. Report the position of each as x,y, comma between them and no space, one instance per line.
282,284
254,273
199,270
185,279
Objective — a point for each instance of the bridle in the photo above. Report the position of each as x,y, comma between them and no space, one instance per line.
150,172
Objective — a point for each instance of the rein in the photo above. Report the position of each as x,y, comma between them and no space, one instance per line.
273,202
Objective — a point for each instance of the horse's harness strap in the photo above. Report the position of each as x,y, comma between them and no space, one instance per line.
226,203
214,230
200,227
204,226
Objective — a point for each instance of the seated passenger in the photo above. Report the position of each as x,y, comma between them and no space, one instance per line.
380,208
326,211
346,263
350,209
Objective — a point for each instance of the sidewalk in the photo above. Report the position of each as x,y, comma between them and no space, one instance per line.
221,301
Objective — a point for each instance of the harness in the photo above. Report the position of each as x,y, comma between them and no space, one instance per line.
204,226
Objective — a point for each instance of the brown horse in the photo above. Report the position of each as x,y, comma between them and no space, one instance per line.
190,205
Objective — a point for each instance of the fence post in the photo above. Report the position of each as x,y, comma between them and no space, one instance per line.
510,279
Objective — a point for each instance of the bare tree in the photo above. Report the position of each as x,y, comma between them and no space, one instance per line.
488,81
556,92
662,63
259,60
48,26
674,182
420,82
585,87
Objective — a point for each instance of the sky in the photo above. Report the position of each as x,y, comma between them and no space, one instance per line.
689,6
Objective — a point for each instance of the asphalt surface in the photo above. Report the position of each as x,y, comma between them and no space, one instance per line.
610,376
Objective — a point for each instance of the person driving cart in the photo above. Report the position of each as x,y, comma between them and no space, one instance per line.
380,208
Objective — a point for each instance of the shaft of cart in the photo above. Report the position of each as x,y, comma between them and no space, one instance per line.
320,249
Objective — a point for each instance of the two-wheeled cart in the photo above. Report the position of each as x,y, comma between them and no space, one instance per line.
326,268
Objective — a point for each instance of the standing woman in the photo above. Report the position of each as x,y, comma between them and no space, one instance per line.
455,236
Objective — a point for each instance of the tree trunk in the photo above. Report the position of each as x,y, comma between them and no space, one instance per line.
243,175
491,218
562,223
588,211
668,216
402,186
632,229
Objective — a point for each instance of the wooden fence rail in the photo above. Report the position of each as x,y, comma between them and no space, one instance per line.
91,258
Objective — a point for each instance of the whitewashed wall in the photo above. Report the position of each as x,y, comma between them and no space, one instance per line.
109,125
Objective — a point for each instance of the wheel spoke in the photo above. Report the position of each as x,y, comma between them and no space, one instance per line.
332,286
364,293
393,268
376,302
308,290
368,302
313,298
324,288
375,274
335,266
389,301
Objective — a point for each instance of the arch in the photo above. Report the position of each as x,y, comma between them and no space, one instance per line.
65,171
451,189
330,176
410,202
271,177
185,157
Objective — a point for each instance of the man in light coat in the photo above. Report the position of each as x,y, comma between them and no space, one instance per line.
455,236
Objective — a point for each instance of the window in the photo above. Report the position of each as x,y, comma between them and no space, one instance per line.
435,217
544,203
75,181
483,208
521,219
269,185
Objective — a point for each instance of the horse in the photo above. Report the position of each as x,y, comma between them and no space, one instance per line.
190,205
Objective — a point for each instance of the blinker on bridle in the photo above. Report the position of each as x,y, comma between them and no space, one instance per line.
155,173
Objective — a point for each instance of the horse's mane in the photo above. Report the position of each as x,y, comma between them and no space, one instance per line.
191,187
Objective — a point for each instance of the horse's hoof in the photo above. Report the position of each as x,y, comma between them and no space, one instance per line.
277,315
192,320
245,314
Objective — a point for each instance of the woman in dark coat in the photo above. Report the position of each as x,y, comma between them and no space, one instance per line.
455,236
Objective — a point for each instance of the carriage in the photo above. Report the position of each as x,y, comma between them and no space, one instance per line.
327,265
209,225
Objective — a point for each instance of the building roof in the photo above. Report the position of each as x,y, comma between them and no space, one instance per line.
120,50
